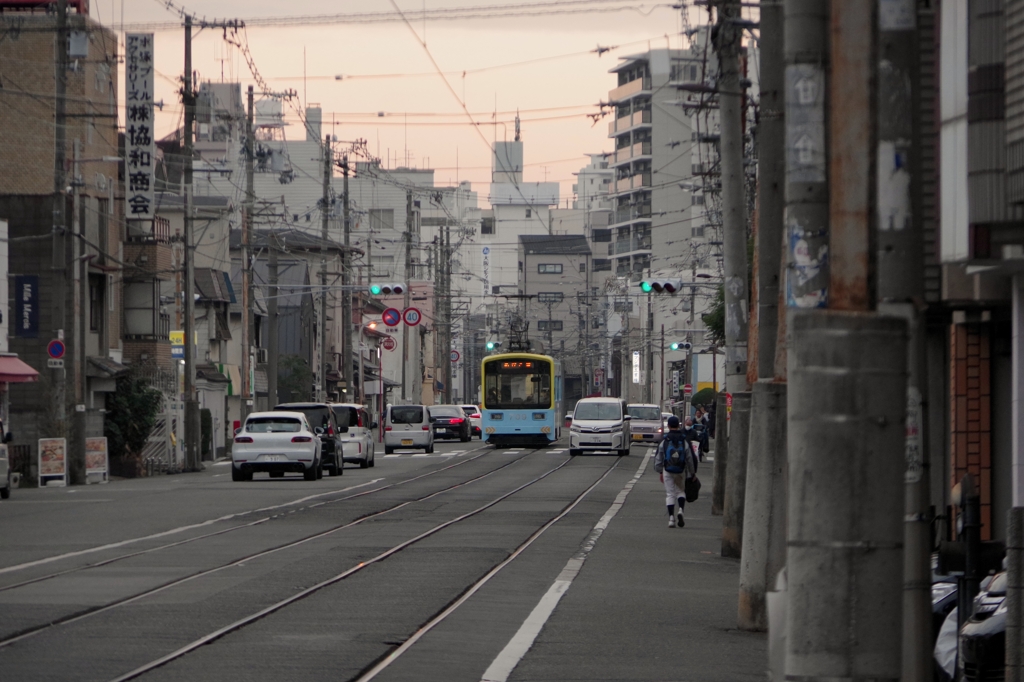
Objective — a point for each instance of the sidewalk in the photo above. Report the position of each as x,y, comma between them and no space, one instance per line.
651,602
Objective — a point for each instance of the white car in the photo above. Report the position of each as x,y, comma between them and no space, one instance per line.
356,429
408,426
600,424
475,419
276,442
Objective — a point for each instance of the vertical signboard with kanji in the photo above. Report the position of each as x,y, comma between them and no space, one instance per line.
140,145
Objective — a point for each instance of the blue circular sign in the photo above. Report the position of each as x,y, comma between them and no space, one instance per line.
487,250
391,317
55,349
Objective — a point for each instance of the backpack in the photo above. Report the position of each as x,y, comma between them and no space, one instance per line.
675,455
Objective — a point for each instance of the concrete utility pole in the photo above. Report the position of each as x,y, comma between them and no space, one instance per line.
80,286
900,292
847,391
734,246
406,296
764,513
247,315
192,425
348,330
325,215
58,376
272,345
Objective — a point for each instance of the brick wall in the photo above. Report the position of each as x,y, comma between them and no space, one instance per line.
970,411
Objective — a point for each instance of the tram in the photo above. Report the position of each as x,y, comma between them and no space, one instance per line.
522,399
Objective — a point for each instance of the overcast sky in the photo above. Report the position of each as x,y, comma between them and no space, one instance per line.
540,65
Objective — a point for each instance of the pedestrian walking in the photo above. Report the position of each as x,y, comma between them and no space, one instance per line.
674,462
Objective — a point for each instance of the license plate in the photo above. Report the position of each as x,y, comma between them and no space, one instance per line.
637,436
407,441
274,458
442,430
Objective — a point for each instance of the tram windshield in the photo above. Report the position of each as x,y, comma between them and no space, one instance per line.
517,384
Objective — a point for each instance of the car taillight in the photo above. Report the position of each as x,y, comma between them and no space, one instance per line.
330,429
243,439
301,439
359,421
387,428
426,428
474,416
456,421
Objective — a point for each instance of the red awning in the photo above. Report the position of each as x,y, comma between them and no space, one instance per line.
14,371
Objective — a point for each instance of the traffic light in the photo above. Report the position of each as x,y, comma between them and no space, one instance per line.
387,288
493,345
659,286
680,345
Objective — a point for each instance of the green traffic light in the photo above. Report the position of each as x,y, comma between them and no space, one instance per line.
375,289
490,345
647,287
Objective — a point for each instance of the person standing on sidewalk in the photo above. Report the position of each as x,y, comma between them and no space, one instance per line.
674,463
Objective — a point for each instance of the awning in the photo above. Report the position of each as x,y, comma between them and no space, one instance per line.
14,371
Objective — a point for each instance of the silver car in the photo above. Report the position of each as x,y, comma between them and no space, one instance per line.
408,426
645,423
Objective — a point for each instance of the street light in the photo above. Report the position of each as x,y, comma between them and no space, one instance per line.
362,389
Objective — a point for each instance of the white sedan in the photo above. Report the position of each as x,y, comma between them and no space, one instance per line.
276,442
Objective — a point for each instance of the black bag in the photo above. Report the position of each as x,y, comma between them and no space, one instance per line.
692,489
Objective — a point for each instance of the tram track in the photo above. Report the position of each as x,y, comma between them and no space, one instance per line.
26,633
241,623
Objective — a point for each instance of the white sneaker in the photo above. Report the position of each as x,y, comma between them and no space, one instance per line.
680,522
671,522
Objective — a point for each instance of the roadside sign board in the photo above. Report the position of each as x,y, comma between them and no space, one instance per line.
391,317
687,390
412,316
389,343
53,461
55,349
455,356
728,406
55,363
96,460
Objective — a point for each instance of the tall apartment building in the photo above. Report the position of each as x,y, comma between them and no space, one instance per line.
57,223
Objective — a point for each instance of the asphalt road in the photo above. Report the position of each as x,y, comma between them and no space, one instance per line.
468,564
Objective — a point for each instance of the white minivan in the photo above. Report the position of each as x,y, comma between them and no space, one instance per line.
356,435
408,426
599,424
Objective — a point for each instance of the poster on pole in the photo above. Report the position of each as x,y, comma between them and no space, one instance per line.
97,462
53,461
139,138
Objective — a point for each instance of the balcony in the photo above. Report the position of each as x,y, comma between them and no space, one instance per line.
629,245
629,89
624,214
634,151
621,125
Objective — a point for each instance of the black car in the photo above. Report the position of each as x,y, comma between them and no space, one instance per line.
450,421
321,416
983,637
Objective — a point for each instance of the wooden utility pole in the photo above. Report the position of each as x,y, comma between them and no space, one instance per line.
58,375
406,296
272,345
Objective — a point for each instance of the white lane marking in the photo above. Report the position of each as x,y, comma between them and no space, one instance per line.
506,661
180,529
422,455
391,456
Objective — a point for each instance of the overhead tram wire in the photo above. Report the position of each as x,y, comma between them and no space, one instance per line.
550,8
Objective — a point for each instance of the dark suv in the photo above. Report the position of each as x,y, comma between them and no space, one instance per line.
321,416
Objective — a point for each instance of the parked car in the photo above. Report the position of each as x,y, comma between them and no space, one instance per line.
450,421
276,442
407,426
600,424
475,418
356,429
645,424
5,463
983,637
321,416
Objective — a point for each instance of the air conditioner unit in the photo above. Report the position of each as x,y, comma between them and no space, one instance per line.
261,356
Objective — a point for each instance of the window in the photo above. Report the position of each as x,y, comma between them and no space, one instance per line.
529,213
382,219
549,325
487,226
549,268
698,199
406,414
583,266
550,297
517,384
602,264
95,304
602,235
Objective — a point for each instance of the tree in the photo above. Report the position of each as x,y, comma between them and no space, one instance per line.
714,318
705,396
131,415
